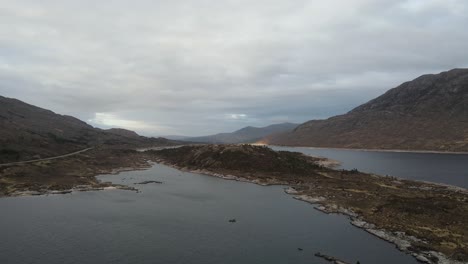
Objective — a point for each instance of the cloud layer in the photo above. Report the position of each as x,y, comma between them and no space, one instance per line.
200,67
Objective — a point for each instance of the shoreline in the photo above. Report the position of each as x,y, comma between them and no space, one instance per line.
377,150
333,164
220,175
401,241
100,186
84,188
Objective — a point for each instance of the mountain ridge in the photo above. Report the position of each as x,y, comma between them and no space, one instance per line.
31,132
248,134
415,115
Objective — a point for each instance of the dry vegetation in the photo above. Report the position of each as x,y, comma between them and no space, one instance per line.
438,215
67,173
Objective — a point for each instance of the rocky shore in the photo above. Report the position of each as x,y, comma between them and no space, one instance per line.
402,241
70,174
229,177
425,220
330,258
84,188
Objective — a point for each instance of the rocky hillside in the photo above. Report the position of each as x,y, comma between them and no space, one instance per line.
245,135
428,113
29,132
123,132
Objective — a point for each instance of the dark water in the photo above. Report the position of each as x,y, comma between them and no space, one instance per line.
441,168
183,220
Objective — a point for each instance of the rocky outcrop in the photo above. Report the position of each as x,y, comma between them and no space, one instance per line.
330,258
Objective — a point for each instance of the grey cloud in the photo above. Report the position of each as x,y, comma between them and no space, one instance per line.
184,67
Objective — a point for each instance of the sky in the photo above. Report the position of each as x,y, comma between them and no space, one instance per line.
169,67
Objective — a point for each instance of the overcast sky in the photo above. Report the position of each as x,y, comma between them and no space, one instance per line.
201,67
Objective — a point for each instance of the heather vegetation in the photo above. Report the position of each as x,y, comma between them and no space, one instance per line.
434,214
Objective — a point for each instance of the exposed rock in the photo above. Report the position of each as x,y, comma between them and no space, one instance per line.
148,182
290,190
330,258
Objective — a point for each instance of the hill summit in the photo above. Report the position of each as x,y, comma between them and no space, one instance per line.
248,134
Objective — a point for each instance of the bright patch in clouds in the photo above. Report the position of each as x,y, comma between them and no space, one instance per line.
112,121
237,116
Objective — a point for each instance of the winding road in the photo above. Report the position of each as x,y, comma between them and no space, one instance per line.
50,158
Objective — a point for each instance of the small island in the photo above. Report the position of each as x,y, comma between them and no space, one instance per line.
424,219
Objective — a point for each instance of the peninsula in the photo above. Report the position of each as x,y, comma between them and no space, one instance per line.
426,220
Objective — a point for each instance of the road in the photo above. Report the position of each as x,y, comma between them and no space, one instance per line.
50,158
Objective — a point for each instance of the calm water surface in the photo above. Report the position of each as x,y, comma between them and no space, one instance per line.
441,168
183,220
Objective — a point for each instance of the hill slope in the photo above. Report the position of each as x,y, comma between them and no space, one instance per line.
245,135
28,132
428,113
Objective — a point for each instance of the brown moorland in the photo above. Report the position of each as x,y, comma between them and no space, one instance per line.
436,215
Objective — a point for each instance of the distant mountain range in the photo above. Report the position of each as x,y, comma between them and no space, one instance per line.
175,137
29,132
245,135
428,113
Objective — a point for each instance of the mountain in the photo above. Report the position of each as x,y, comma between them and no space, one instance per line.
29,132
175,137
245,135
123,132
427,113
